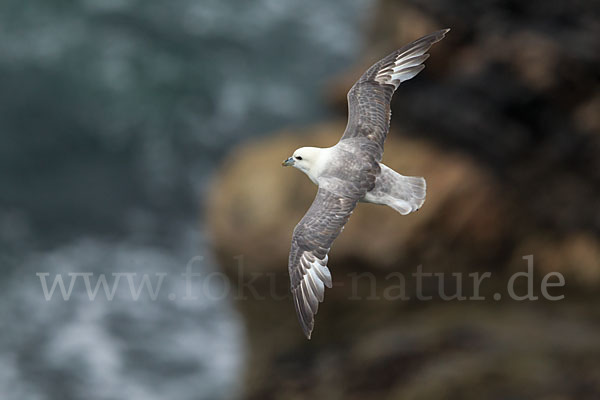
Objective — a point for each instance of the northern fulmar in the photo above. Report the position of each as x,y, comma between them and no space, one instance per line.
350,172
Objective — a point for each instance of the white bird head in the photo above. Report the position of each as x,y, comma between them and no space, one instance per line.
304,158
308,160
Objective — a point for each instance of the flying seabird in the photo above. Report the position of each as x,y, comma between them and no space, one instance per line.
350,172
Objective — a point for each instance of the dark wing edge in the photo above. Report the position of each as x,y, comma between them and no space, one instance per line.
369,98
311,241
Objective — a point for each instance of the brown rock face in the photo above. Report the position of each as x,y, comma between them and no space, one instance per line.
469,223
503,124
513,85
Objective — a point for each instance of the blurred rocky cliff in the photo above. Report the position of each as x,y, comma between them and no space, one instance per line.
504,123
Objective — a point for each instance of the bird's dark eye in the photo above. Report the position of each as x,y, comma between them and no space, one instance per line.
298,158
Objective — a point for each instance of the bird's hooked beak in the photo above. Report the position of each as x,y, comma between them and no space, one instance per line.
288,162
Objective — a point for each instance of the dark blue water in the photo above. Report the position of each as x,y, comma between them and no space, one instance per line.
114,115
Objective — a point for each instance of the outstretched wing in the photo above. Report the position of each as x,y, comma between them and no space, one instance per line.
311,242
369,98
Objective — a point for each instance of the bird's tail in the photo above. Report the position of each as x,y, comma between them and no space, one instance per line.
408,194
404,194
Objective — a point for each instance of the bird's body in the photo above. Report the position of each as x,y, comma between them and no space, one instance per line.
350,172
334,168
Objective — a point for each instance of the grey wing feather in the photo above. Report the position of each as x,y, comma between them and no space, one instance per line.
369,99
311,241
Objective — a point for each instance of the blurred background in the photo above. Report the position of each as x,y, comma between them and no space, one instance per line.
146,137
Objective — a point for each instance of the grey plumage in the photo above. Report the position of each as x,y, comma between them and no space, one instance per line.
350,172
369,99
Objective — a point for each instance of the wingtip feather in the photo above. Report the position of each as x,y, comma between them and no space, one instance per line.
443,32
